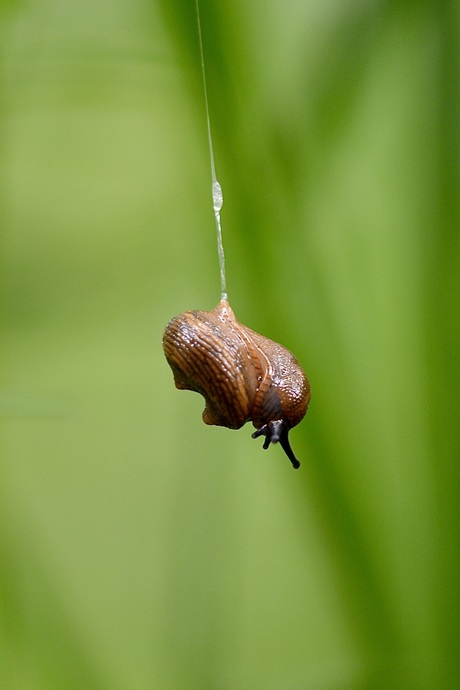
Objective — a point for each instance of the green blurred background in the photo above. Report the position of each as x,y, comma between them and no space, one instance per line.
139,548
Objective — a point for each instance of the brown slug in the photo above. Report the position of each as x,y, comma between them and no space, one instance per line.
242,375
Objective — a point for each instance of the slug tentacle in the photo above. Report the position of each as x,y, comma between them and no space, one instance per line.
242,375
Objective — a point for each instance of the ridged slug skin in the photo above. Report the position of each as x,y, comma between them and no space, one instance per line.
242,375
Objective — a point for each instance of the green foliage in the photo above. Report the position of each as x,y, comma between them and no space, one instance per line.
138,548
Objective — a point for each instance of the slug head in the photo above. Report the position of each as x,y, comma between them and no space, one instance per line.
275,431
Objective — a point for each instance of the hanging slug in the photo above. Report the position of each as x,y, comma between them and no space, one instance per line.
242,375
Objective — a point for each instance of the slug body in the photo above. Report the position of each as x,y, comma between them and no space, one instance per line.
242,375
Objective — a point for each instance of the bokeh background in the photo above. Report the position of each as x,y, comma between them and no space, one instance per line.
141,549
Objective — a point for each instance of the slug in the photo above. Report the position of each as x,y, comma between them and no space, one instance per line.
242,375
